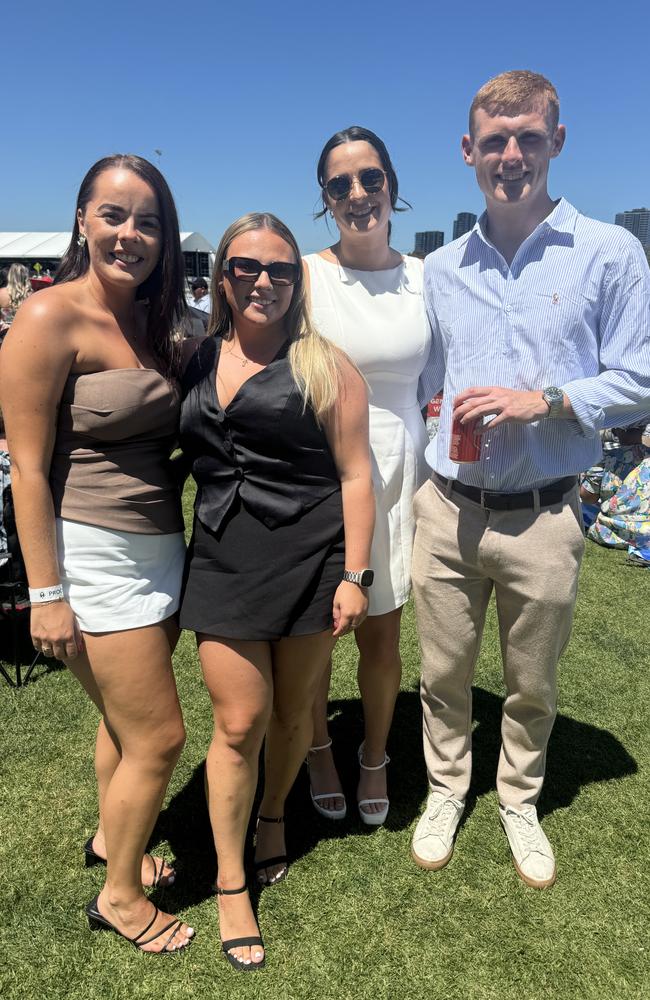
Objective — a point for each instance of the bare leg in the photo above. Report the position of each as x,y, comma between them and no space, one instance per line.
379,675
107,756
129,675
298,665
238,677
323,775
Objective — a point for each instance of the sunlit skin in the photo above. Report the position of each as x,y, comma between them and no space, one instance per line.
122,226
258,312
260,306
262,690
362,218
94,325
511,157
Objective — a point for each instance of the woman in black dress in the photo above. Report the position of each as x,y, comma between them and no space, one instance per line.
275,423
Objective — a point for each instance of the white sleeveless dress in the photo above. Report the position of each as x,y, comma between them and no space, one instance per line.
378,319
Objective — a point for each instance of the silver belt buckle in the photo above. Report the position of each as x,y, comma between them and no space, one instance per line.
488,494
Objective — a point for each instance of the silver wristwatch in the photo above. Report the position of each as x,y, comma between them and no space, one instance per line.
362,577
555,399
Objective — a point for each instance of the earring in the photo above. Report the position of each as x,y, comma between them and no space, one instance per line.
81,240
331,214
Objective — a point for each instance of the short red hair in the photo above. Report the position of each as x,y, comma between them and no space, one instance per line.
517,92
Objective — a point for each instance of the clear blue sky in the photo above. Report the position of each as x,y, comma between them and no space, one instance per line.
241,95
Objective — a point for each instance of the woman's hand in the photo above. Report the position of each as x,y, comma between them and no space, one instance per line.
55,631
350,607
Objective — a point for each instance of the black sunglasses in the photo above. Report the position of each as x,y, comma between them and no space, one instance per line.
248,269
371,180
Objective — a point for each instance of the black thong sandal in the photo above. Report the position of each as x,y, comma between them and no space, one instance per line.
240,942
158,873
98,922
278,859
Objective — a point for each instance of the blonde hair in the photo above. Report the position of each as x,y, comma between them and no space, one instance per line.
315,361
18,286
514,92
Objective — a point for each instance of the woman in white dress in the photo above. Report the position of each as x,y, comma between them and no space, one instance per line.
367,298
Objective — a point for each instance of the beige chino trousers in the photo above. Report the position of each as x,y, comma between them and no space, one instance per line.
531,559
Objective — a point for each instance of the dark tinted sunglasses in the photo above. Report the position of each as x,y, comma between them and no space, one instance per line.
249,269
371,180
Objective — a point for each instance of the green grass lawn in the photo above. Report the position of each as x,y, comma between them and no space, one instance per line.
355,918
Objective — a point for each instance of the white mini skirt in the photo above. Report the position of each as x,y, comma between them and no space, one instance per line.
117,580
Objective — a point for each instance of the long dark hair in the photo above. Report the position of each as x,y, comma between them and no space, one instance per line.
164,288
356,133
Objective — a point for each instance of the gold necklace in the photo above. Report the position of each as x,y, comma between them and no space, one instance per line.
244,361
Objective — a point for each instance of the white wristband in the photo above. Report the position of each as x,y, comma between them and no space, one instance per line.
41,595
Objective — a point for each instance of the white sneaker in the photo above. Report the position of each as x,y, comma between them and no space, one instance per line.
531,852
433,840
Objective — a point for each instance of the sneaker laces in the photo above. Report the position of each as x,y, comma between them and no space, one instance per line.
440,816
528,830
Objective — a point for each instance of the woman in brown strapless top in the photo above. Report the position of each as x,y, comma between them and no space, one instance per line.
87,383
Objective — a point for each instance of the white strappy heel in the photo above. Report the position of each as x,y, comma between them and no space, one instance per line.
374,818
317,799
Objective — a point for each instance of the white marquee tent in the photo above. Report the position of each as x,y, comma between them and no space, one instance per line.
30,248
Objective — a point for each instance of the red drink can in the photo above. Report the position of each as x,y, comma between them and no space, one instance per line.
465,444
434,406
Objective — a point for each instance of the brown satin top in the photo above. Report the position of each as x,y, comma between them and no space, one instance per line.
110,464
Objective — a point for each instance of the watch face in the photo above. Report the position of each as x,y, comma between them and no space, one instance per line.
367,577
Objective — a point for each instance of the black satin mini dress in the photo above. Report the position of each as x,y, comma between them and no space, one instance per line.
267,550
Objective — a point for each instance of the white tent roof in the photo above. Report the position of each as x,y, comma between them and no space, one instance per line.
31,246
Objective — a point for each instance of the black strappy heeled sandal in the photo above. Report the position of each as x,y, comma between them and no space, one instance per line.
158,873
240,942
98,922
278,859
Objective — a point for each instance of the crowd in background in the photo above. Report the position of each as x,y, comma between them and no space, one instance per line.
319,499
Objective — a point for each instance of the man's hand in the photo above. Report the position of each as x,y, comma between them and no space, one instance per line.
509,406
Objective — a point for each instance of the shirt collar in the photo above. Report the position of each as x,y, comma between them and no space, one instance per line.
563,219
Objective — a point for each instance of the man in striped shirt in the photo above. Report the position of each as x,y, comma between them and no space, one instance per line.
540,320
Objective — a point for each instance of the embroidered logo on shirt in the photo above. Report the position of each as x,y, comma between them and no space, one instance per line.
555,298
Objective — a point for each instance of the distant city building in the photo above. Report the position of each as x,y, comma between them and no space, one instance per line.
427,242
463,223
638,222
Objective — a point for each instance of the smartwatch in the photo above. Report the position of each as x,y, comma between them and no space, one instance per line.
362,577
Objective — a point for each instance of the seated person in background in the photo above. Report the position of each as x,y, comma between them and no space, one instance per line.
17,290
200,296
623,521
622,452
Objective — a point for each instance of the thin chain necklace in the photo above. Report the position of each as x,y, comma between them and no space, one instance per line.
244,361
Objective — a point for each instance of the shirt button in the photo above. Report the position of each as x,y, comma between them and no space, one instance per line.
239,474
228,445
221,416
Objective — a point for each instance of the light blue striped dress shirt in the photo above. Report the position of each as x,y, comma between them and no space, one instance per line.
572,310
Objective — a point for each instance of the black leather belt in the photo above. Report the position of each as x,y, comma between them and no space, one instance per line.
548,495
